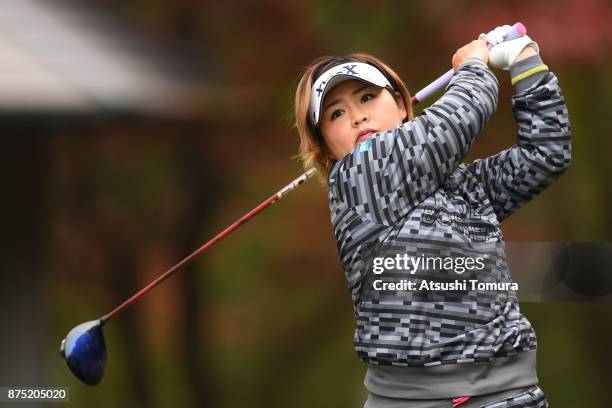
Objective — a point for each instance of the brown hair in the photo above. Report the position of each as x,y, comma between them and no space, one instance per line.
313,151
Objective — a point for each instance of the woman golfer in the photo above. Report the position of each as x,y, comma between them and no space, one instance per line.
418,231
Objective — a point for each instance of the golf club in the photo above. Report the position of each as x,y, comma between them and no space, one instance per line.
84,349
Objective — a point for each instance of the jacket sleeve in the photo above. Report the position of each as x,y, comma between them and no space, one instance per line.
388,175
542,153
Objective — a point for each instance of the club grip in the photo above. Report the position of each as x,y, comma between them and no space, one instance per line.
517,30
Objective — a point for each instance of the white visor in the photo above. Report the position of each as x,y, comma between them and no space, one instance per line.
340,73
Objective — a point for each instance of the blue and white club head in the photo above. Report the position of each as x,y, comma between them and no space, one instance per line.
85,352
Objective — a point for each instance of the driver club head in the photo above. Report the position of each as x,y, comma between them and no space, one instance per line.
85,352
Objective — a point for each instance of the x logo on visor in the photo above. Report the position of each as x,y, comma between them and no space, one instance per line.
350,69
320,89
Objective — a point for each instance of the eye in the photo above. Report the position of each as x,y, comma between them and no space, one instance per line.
367,97
336,114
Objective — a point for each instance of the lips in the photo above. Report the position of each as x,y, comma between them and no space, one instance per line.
365,134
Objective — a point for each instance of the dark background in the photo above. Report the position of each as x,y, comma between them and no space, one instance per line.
97,202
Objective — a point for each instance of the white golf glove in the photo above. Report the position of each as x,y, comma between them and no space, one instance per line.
503,53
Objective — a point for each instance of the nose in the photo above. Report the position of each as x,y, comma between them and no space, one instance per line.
360,117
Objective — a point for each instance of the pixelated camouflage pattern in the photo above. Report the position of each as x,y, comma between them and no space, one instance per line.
407,191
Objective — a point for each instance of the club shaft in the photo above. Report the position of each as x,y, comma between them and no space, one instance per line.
265,204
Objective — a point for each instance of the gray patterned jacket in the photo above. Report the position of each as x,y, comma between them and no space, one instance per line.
406,191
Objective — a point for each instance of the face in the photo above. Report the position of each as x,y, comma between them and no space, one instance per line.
353,111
